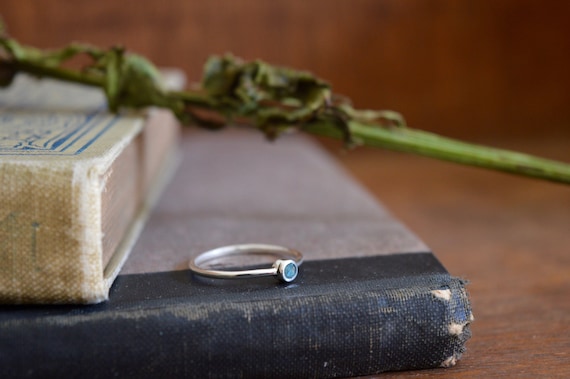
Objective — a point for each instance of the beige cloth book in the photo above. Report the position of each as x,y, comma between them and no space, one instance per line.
76,184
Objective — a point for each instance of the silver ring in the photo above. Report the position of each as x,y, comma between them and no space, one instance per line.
285,268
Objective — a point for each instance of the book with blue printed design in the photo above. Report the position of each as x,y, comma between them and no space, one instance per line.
76,183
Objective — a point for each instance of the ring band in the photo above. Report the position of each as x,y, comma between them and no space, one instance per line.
285,268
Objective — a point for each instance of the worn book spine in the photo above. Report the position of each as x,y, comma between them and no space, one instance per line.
341,318
75,186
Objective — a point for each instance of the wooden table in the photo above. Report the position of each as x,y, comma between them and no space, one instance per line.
508,236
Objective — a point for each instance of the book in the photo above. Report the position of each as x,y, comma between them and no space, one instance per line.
370,297
76,183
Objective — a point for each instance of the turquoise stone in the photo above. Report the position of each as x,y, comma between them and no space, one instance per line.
290,271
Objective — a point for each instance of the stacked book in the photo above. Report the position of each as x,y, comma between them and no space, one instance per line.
370,297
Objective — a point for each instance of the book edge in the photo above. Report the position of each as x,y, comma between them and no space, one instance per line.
166,172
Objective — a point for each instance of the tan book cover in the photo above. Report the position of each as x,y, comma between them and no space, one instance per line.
76,183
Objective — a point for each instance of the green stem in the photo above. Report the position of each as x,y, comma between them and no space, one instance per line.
41,70
197,99
401,139
434,146
68,75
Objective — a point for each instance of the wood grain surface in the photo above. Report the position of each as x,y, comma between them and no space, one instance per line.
509,236
459,67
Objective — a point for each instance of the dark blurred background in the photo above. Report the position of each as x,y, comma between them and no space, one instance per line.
464,68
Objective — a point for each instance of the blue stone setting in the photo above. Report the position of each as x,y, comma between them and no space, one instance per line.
287,270
290,271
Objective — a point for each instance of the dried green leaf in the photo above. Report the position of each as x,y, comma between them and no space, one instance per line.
274,99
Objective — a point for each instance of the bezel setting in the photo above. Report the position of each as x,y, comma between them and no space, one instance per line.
287,270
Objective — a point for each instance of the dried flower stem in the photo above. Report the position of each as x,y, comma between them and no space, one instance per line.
272,99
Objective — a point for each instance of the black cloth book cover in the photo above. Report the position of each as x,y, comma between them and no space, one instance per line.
370,297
